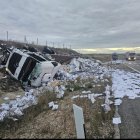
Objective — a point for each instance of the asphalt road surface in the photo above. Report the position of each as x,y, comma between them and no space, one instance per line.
134,64
129,112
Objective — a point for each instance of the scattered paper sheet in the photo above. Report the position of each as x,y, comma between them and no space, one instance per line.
51,104
118,102
116,120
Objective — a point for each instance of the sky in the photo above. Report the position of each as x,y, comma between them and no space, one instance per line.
88,26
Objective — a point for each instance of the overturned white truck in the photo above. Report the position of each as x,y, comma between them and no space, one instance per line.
30,68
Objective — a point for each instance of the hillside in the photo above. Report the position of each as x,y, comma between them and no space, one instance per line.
63,51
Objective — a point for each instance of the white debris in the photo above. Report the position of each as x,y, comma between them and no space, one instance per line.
116,120
4,106
4,77
97,94
12,103
83,96
3,114
74,65
125,84
51,104
133,96
118,101
106,80
56,89
55,107
98,85
25,106
85,92
106,107
71,89
14,119
31,91
75,97
107,101
59,95
62,87
93,100
110,102
6,98
60,91
18,112
108,88
18,96
90,96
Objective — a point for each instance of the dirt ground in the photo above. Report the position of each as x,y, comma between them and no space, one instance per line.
9,87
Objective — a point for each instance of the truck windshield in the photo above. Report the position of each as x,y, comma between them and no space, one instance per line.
14,62
27,68
132,54
36,71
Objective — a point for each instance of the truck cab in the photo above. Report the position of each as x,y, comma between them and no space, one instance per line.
130,56
114,56
31,68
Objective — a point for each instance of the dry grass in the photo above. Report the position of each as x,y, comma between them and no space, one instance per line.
101,57
10,126
98,124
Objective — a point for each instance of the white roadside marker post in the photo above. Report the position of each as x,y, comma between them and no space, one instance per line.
79,122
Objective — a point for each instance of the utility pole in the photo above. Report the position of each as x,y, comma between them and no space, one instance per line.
63,46
25,41
37,41
53,44
7,35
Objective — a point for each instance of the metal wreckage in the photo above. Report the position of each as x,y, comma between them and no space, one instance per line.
30,68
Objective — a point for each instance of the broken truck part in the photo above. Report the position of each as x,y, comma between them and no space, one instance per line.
31,68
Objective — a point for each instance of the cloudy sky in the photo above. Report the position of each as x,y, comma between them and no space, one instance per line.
85,25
